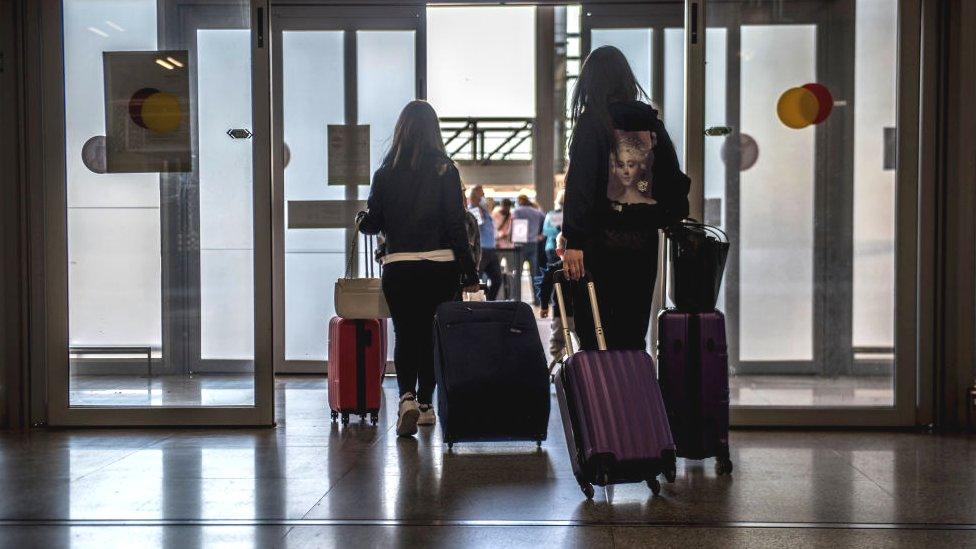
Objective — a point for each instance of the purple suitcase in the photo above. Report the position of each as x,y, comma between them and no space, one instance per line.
693,366
613,414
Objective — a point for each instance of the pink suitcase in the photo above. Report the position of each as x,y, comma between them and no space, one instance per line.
613,414
357,362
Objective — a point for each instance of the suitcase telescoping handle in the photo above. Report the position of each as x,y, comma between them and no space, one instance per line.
558,278
367,252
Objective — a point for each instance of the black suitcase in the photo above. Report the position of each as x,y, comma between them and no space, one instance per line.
492,375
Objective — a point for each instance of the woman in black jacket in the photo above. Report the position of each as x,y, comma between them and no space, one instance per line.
623,185
416,201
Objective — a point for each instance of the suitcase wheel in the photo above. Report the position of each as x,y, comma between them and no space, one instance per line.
670,473
345,419
374,418
723,466
587,489
654,485
335,416
450,446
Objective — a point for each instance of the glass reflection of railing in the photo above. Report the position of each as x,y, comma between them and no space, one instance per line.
488,139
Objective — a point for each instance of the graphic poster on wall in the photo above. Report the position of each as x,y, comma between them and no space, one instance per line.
147,111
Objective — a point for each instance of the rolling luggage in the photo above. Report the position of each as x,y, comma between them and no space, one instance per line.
492,375
613,414
693,366
357,362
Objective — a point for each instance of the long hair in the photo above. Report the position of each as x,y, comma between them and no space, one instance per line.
417,132
605,78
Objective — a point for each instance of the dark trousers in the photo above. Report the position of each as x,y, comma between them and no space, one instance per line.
526,252
491,268
413,291
625,288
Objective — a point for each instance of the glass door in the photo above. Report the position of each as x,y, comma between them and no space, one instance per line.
808,187
339,74
167,237
813,300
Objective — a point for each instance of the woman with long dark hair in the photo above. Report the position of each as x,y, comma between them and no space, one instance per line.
623,185
416,201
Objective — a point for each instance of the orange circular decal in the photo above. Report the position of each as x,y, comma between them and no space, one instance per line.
797,108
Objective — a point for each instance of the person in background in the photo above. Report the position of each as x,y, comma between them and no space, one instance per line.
529,250
557,341
624,184
489,265
552,226
502,217
417,202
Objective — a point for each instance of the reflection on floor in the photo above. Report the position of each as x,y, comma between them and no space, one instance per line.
238,390
753,390
311,483
170,390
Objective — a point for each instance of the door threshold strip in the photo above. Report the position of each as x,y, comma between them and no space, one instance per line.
495,523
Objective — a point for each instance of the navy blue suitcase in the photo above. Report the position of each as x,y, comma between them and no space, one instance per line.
492,375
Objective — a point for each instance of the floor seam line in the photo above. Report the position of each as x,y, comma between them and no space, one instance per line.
327,492
293,523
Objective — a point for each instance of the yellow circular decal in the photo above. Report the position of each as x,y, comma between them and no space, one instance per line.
797,108
161,112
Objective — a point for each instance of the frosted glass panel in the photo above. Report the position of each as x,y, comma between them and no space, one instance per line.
86,35
160,265
636,46
875,78
114,276
674,88
313,98
309,281
227,304
312,87
481,61
386,82
113,219
226,221
776,266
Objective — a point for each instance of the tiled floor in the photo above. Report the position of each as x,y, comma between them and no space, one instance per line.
311,483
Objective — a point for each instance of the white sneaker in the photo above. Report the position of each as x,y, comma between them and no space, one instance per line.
407,416
427,416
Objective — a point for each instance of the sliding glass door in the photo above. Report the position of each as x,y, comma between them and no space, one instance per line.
166,193
338,72
817,290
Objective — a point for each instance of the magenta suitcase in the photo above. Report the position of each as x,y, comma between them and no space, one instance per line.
614,417
693,366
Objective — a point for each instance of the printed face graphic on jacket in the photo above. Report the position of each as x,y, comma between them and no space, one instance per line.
630,167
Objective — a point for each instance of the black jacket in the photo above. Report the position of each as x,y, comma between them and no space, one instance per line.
421,210
592,218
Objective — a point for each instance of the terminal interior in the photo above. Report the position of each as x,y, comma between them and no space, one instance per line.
181,395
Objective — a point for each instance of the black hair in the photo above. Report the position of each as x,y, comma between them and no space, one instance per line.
605,78
418,131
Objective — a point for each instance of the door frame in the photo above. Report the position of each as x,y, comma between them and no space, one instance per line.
55,257
903,413
326,18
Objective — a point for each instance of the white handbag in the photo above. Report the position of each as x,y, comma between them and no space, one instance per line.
360,298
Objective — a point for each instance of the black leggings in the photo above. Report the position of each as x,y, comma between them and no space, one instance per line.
625,288
493,270
413,291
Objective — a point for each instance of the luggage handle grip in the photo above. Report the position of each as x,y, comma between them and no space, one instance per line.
351,255
558,278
